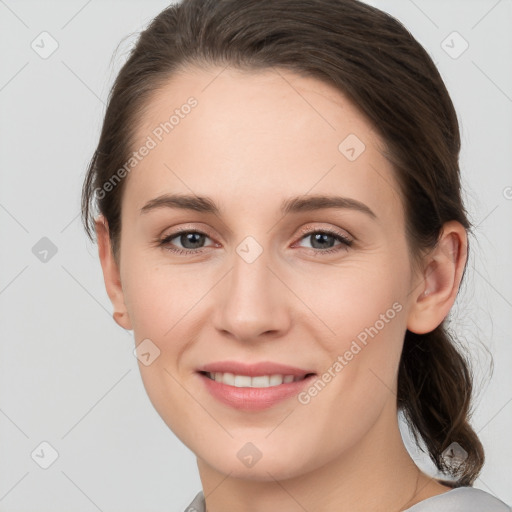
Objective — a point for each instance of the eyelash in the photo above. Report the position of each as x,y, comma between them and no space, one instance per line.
345,242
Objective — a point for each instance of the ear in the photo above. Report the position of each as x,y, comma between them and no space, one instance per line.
442,274
111,274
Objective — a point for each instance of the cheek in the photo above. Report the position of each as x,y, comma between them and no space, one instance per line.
364,351
158,297
159,300
346,301
359,380
364,308
163,302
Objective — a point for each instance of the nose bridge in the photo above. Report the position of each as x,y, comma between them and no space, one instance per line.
251,299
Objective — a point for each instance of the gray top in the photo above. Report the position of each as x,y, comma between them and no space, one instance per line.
460,499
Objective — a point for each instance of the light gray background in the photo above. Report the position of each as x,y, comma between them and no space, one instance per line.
68,374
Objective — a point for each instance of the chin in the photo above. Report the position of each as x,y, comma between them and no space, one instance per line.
260,472
271,465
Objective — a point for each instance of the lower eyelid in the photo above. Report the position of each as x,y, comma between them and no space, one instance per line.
345,242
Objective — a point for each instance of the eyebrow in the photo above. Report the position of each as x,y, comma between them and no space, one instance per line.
298,204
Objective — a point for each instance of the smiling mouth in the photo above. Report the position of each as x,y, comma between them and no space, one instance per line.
257,381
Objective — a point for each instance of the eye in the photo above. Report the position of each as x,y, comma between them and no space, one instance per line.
191,241
322,239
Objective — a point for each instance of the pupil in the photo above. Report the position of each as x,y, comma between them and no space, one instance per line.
319,237
194,238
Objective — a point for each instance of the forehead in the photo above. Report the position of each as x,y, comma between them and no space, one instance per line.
227,133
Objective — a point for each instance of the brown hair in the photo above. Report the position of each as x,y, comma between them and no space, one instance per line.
373,59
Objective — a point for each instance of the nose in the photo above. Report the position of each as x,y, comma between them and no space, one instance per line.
252,300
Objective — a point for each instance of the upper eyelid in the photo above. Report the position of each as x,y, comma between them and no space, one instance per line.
331,230
303,232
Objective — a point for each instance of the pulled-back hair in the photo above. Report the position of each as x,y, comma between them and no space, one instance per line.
372,58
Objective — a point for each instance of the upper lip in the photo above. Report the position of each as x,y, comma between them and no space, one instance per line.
254,369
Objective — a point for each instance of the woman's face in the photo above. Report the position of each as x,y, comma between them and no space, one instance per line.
259,283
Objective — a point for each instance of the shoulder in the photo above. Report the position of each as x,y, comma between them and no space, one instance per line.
461,499
198,504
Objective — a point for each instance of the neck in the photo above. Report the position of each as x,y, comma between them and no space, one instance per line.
377,474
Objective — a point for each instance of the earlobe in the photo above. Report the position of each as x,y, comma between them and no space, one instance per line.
441,278
111,274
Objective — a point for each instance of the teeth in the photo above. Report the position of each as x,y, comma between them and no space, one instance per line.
242,381
245,381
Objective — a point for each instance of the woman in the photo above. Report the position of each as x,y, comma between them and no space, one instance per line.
280,223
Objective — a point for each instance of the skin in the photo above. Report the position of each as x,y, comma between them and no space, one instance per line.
254,139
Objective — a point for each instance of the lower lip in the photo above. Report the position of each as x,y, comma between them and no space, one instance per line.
254,399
